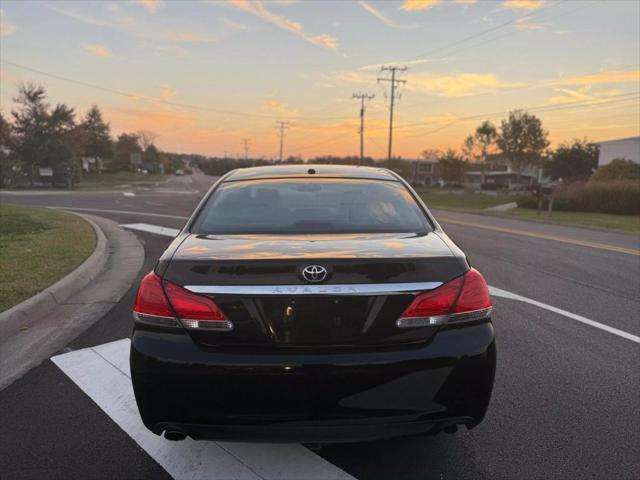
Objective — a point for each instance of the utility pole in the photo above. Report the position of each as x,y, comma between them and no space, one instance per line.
245,143
362,97
394,83
281,125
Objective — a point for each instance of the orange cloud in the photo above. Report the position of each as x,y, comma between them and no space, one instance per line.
273,106
382,17
525,23
96,50
6,27
258,9
8,77
613,76
167,93
458,85
570,96
522,4
120,20
151,5
410,5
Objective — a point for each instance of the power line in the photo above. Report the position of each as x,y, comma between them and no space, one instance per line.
394,83
536,109
500,26
534,86
281,125
315,144
362,97
159,100
539,109
375,143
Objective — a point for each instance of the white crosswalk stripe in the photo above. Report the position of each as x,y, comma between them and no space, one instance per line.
102,372
145,227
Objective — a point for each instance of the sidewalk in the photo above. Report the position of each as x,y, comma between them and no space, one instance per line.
40,326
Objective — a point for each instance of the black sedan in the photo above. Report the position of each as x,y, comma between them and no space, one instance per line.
312,304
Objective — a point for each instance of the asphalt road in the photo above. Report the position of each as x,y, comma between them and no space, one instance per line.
566,402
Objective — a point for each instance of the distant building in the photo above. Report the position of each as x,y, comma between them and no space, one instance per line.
624,148
505,180
424,173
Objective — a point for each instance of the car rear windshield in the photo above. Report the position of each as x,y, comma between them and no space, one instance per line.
284,206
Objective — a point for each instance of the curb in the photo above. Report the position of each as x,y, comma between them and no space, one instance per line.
39,327
27,312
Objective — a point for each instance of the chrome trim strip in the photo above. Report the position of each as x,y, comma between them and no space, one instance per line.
415,322
155,320
217,325
328,289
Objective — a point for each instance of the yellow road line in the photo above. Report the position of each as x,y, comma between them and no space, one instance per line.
544,236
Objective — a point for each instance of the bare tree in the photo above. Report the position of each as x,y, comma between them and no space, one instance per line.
146,138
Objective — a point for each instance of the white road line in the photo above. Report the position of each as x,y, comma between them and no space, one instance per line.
175,192
128,194
498,292
145,227
103,373
124,212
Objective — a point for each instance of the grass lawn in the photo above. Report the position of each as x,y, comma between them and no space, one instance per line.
119,181
627,223
476,202
467,201
38,246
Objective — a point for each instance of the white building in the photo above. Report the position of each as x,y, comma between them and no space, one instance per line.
626,148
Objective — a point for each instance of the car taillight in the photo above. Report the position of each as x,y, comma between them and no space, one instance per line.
463,299
152,305
196,311
162,303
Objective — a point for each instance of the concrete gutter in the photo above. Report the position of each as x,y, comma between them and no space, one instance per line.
35,329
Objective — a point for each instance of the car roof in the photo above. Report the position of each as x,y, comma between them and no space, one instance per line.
310,171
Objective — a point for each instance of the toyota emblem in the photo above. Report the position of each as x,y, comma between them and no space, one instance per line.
314,273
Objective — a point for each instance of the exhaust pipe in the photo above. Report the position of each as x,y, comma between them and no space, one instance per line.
450,429
174,435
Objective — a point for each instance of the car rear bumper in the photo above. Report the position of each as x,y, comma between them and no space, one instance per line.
313,397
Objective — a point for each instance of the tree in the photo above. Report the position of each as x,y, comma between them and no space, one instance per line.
146,138
522,139
98,135
30,122
478,145
469,147
617,169
126,145
451,167
40,133
485,137
151,154
5,134
431,154
573,162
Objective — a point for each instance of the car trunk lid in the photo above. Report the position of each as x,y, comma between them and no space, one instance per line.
257,281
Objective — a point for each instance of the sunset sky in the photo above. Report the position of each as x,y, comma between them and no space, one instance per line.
203,75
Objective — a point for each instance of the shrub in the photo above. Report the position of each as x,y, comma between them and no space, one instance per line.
618,169
622,197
